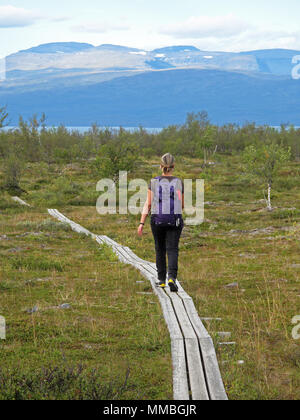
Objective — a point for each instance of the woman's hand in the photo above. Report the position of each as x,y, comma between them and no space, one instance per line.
140,230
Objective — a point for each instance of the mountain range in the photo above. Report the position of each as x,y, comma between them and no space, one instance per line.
78,84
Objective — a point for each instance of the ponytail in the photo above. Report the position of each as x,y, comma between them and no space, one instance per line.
167,163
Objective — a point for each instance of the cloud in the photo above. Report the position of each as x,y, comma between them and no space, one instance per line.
255,39
58,19
267,39
16,17
228,33
207,26
99,27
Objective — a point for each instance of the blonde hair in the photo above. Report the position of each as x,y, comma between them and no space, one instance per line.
167,163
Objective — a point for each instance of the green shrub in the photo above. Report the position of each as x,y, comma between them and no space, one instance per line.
7,203
286,214
287,184
13,168
60,383
52,226
33,263
87,198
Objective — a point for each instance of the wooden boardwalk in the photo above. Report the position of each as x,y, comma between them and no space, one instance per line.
19,201
196,374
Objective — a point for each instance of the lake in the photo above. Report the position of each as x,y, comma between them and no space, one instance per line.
83,130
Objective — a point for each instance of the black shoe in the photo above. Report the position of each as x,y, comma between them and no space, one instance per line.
162,284
173,286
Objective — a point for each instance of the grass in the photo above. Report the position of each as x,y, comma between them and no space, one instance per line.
36,263
110,332
60,383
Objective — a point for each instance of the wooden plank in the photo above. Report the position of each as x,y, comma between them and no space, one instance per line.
180,381
137,264
19,201
110,241
77,228
133,261
153,265
180,378
150,270
128,259
99,240
130,252
194,318
195,368
210,363
213,376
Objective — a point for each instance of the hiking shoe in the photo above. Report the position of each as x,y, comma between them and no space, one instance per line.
173,286
162,284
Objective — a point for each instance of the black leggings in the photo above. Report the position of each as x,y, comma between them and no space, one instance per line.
166,242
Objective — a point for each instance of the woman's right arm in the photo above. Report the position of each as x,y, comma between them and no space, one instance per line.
146,211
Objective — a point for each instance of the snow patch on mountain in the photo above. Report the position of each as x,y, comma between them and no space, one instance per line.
138,52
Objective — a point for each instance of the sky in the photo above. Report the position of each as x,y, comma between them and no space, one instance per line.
214,25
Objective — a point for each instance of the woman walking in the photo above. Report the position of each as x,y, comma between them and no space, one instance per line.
166,202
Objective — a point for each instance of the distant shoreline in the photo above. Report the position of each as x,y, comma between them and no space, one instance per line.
86,129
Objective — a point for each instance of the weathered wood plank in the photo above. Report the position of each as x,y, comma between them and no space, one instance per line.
194,318
195,368
77,228
19,201
180,379
214,380
210,363
211,367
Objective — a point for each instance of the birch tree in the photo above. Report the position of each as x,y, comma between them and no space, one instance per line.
264,161
119,154
3,117
207,143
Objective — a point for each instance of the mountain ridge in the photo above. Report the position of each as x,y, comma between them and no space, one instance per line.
68,55
67,74
167,48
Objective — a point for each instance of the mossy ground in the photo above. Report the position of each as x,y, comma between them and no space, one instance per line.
111,328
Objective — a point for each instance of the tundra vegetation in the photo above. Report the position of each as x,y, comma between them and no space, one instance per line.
79,323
